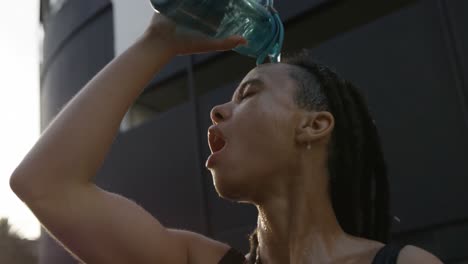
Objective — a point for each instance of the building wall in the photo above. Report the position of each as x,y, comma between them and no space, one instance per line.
408,57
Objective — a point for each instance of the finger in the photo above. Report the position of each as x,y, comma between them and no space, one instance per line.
227,43
200,45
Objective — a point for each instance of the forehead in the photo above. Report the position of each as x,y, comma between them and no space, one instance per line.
274,76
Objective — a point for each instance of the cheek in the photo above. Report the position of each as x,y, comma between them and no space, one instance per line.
263,139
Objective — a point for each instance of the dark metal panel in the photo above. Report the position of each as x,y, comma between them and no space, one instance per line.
155,165
456,23
458,15
446,241
293,8
176,66
453,240
65,24
236,238
400,63
90,50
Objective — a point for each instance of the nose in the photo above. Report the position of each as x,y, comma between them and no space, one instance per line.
219,113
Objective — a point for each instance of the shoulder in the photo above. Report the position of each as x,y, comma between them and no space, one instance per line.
411,254
201,249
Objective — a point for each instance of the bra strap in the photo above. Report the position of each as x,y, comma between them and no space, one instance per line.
388,254
232,257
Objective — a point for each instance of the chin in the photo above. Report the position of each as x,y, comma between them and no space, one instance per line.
233,190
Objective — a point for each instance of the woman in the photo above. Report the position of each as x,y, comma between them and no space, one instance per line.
306,144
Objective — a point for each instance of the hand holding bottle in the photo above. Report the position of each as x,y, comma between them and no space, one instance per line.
182,42
256,21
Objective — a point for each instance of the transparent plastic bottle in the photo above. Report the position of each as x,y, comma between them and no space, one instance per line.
223,18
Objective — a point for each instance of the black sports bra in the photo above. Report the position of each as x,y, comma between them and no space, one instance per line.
386,255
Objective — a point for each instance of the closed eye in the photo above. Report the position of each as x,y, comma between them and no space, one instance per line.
244,91
246,95
247,92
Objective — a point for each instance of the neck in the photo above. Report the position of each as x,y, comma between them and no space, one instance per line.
298,224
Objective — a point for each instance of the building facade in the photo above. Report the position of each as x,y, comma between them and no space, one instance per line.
409,58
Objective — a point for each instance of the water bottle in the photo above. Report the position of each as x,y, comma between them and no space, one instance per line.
259,24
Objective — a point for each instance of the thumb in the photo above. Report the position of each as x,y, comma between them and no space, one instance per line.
226,43
233,41
201,44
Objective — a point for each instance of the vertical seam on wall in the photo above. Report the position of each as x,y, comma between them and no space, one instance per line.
454,57
198,149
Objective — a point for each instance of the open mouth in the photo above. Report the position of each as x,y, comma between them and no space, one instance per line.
215,140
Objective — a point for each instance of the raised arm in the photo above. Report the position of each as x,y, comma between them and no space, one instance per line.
55,178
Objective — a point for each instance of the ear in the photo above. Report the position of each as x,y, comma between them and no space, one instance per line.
314,126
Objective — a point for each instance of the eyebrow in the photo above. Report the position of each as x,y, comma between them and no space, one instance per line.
253,81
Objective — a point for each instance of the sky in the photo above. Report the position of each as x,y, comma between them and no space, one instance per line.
19,103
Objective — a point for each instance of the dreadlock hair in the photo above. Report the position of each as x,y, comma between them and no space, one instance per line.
358,183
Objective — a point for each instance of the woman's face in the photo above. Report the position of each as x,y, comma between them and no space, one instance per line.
258,131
